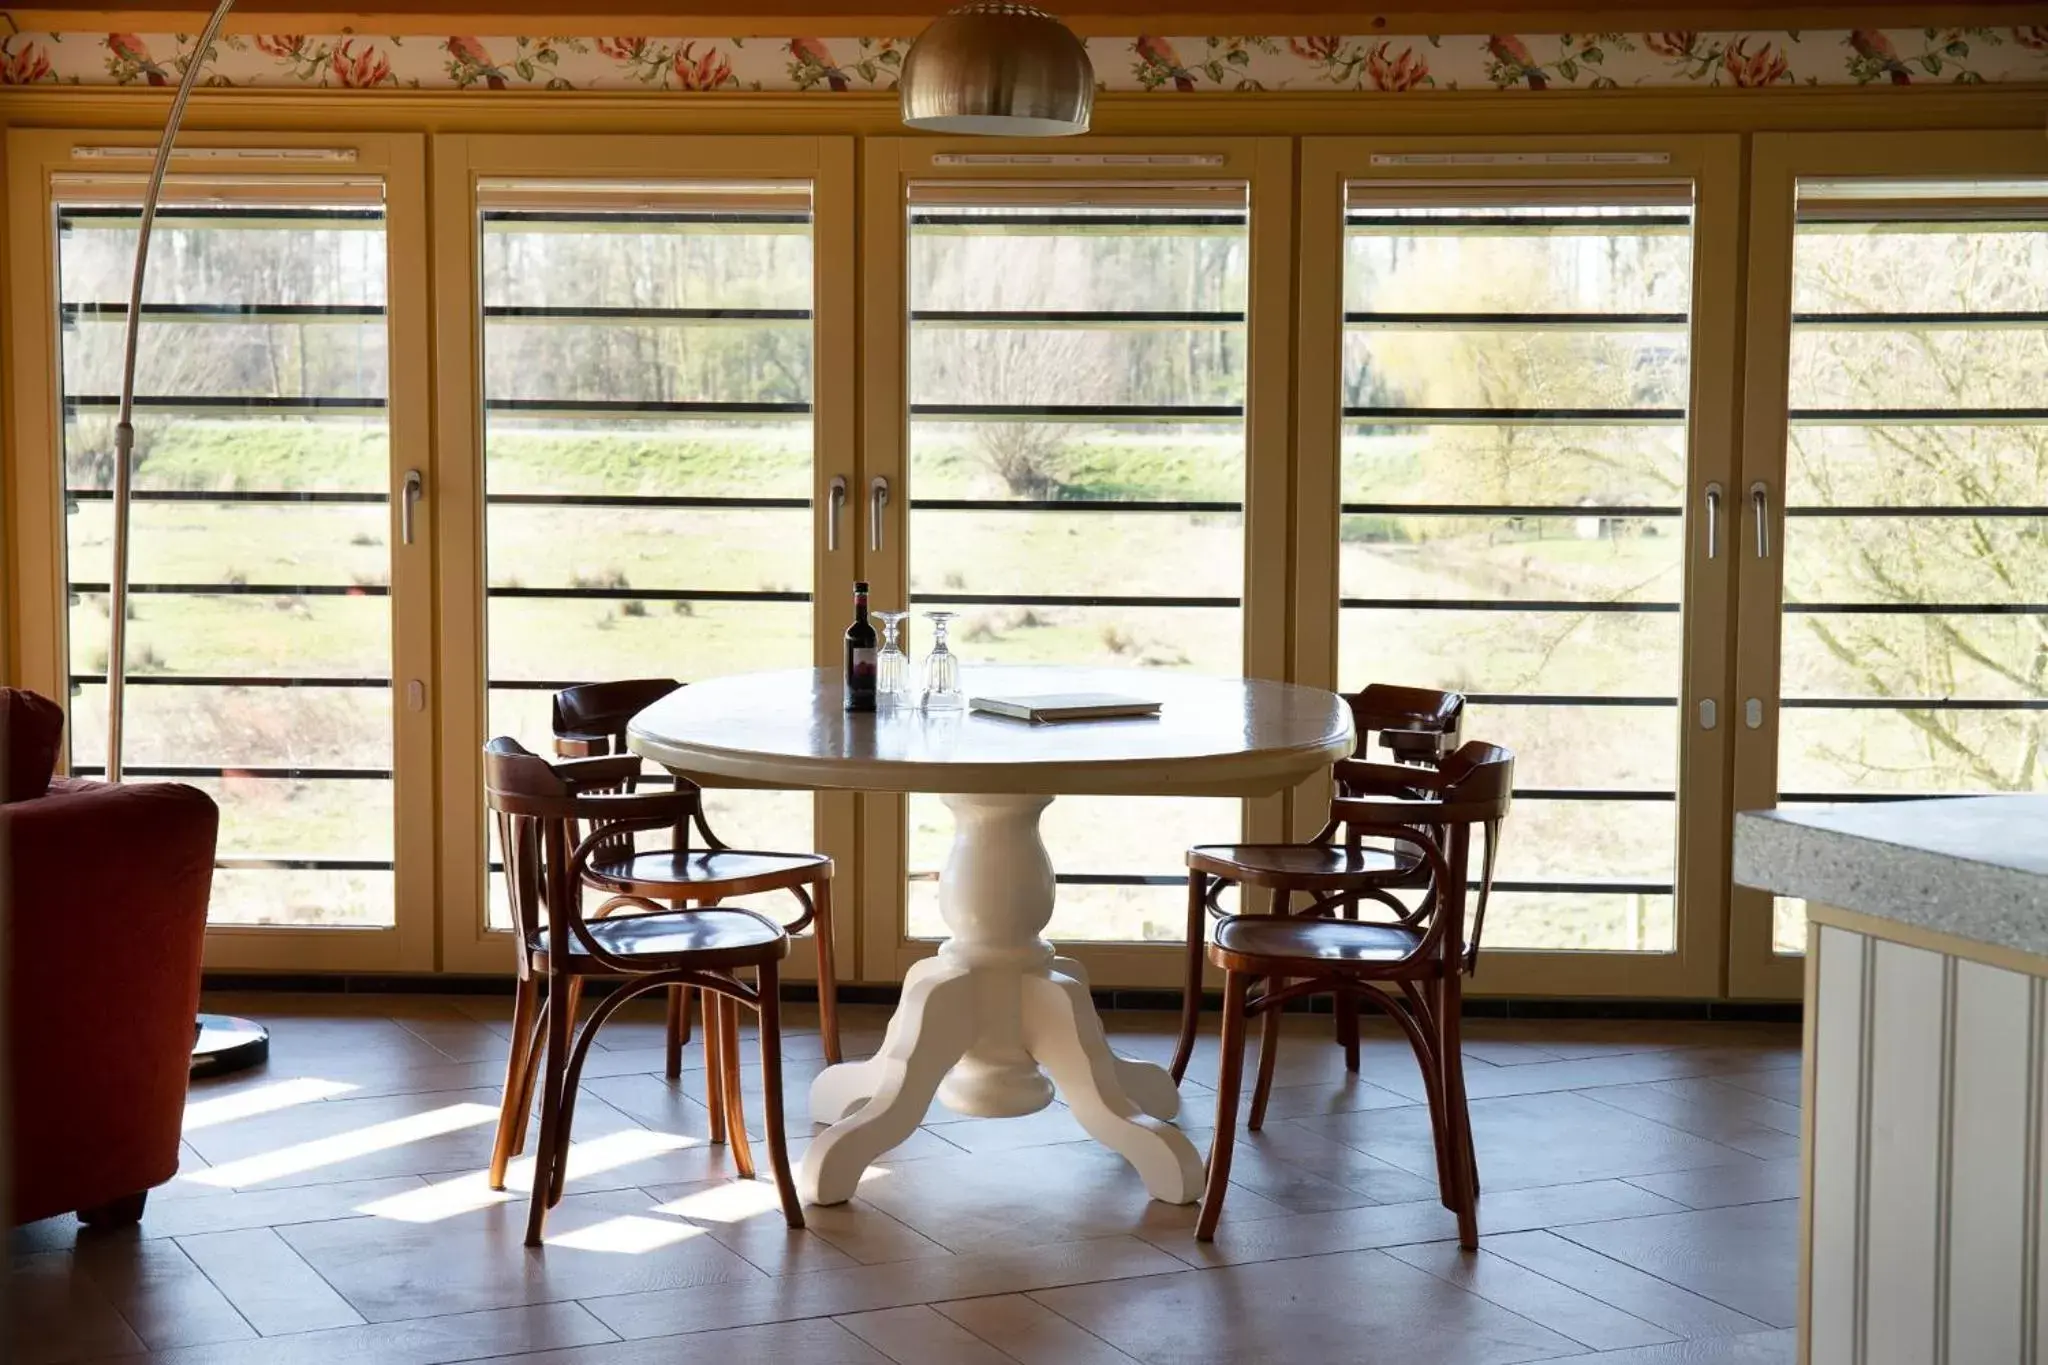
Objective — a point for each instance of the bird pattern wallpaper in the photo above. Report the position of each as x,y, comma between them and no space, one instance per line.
1380,63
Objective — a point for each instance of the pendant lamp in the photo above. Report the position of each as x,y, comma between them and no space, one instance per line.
997,69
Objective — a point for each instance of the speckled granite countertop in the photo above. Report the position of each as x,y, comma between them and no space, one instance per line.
1975,867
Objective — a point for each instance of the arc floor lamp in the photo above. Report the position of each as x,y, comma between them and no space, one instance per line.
219,1043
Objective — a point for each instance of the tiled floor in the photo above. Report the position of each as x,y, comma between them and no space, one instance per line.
1639,1210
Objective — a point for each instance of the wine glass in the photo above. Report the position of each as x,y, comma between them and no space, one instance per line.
941,669
892,669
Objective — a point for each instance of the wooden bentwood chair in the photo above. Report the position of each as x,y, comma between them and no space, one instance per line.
1421,822
540,807
590,721
1417,725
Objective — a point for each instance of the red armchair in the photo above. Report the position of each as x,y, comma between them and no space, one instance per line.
106,890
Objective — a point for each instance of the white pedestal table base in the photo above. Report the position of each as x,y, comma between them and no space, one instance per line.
978,1022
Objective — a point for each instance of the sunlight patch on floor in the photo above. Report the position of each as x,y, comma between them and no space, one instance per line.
262,1099
327,1151
472,1191
627,1235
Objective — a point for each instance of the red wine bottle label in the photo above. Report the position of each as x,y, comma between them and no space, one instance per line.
861,666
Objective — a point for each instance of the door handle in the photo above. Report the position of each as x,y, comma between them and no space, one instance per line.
409,498
1760,506
1713,521
835,504
878,498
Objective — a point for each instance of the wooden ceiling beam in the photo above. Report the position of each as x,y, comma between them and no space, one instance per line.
900,18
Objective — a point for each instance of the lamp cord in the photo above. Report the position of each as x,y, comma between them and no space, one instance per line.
124,425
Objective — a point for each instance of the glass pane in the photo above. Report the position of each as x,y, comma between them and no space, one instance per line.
1120,537
654,519
259,641
1916,532
1493,463
1533,367
1516,377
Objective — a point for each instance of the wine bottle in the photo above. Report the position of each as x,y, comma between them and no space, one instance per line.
860,655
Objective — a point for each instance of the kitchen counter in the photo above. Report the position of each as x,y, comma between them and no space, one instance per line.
1974,867
1925,1102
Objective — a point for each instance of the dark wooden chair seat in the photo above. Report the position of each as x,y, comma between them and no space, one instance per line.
706,873
665,940
1321,867
1282,945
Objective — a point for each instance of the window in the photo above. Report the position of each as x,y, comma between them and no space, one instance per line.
1515,382
648,448
1913,659
1077,365
260,646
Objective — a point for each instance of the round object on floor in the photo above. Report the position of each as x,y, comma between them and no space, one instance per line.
223,1043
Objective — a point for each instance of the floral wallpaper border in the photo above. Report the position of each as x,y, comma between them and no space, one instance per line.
1146,63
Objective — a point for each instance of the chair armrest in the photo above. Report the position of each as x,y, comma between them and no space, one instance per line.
1355,776
610,770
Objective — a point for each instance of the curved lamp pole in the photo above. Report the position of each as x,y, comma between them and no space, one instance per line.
219,1043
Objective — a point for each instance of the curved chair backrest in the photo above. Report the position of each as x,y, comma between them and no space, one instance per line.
1415,724
1474,786
591,718
540,806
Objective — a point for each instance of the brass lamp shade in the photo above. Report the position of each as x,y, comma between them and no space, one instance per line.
997,69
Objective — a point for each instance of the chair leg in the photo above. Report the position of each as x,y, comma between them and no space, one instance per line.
1269,1054
1347,1029
771,1095
735,1102
828,978
536,1048
678,1028
1230,1078
1191,989
512,1107
1457,1118
547,1157
714,1074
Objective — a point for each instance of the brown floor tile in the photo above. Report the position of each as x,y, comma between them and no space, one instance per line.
1675,1309
159,1292
1385,1225
1026,1331
58,1314
1325,1308
268,1283
745,1216
918,1336
427,1341
1744,1256
1729,1115
926,1280
1529,1140
614,1242
1547,1303
1757,1348
1713,1187
817,1342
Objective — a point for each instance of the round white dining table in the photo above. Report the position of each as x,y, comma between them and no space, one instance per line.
984,1022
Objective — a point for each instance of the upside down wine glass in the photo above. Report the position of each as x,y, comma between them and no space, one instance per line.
892,669
941,669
